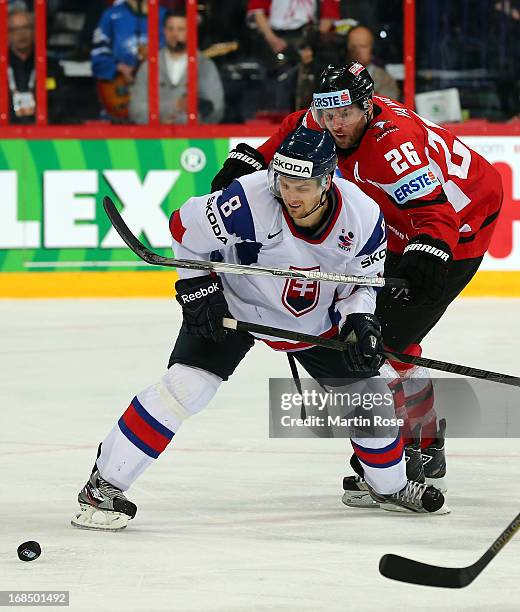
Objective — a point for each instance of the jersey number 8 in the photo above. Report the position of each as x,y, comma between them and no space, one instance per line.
234,203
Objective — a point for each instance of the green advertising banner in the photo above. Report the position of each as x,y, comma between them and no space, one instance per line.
51,193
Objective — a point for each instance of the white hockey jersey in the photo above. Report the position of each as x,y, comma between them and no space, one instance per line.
245,224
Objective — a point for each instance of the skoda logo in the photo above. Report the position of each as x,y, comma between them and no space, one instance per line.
193,159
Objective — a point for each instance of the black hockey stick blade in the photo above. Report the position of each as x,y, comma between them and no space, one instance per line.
407,570
414,572
131,241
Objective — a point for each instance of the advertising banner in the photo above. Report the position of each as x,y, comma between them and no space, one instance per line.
51,192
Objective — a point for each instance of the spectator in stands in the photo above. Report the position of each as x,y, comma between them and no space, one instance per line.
360,44
173,65
21,72
120,44
319,51
281,22
283,25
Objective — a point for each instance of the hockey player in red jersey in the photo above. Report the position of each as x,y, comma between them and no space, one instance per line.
440,200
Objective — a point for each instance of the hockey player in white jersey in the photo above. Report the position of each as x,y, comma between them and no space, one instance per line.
295,215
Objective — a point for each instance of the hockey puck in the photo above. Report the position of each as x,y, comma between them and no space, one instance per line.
29,551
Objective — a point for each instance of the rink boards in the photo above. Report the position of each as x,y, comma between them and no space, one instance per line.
55,240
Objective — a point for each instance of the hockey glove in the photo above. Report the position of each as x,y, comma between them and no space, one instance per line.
425,263
364,354
203,306
241,160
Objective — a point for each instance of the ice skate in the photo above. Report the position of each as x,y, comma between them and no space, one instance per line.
103,507
414,498
434,460
356,493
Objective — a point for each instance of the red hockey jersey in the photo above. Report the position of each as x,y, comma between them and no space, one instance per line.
425,180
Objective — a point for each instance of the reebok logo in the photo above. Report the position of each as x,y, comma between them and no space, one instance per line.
427,248
246,159
201,293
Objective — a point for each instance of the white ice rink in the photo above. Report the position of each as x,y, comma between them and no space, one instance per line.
228,519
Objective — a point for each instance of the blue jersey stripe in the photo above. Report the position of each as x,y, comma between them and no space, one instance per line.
376,239
235,212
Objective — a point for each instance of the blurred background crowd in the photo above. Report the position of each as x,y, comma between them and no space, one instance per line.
260,59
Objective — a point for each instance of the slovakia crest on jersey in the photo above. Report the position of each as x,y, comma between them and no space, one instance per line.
300,295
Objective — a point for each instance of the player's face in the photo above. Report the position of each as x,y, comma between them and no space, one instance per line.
345,124
299,196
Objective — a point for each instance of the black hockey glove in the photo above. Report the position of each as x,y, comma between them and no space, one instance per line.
424,263
203,306
242,160
362,333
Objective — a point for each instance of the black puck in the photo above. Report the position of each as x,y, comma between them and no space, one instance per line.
29,551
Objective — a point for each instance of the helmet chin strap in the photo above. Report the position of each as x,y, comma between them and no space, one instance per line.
322,202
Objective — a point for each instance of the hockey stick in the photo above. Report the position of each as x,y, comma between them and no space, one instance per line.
158,260
415,572
338,345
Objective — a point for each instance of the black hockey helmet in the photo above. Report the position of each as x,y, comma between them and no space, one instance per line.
304,154
342,86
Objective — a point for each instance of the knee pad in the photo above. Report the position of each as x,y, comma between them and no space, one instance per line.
187,390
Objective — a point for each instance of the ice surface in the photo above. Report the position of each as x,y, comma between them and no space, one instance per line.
228,519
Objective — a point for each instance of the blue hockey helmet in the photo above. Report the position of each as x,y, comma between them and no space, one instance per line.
304,154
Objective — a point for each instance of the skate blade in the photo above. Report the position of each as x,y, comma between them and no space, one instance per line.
358,499
444,509
439,483
99,520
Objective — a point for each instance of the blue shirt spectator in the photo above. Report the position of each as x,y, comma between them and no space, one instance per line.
121,39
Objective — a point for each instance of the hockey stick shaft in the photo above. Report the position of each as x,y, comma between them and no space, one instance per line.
154,259
229,268
338,345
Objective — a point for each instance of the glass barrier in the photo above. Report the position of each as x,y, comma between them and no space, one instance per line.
252,66
128,64
467,59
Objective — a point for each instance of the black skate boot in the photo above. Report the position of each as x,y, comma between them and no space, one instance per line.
414,498
103,506
355,489
434,460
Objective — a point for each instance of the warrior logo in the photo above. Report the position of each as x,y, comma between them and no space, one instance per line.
300,295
